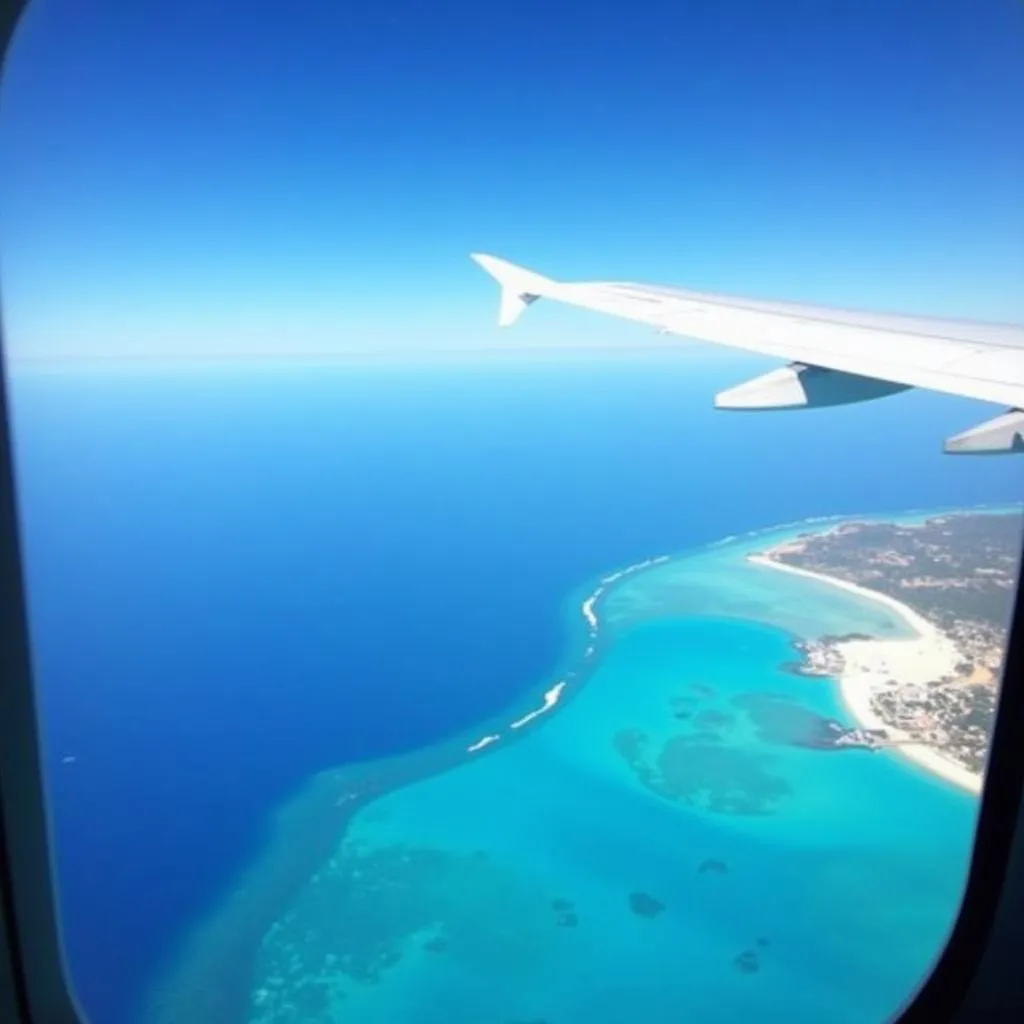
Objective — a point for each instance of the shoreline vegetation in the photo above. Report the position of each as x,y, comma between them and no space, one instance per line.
867,665
207,977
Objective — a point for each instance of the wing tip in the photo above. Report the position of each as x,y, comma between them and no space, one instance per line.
519,286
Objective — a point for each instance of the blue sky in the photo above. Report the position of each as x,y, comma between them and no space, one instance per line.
233,177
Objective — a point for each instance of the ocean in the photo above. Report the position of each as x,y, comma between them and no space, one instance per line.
244,579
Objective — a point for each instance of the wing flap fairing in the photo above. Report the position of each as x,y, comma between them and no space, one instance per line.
1000,436
799,386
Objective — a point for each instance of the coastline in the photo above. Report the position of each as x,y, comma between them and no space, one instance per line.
205,979
868,664
524,841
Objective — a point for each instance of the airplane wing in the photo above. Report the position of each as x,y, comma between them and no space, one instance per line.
834,356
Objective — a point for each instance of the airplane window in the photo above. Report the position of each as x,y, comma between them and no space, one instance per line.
606,627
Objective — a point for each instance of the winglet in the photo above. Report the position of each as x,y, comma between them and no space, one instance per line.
519,286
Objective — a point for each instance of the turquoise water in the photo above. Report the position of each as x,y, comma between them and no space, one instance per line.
660,848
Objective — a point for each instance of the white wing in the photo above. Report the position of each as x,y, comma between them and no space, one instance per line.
835,356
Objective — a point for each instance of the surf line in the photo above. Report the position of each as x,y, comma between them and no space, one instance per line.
554,694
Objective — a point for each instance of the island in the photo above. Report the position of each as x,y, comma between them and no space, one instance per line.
921,680
952,579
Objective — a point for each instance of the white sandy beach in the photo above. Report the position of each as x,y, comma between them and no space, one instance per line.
869,665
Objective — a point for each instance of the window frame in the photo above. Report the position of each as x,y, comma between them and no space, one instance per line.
34,985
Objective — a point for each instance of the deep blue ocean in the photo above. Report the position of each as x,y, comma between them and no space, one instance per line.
239,577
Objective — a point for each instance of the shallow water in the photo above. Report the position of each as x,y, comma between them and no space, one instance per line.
664,846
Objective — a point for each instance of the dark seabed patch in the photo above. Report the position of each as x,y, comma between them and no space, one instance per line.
701,771
712,719
565,913
782,720
630,743
644,905
747,962
721,779
711,866
684,707
312,999
369,906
